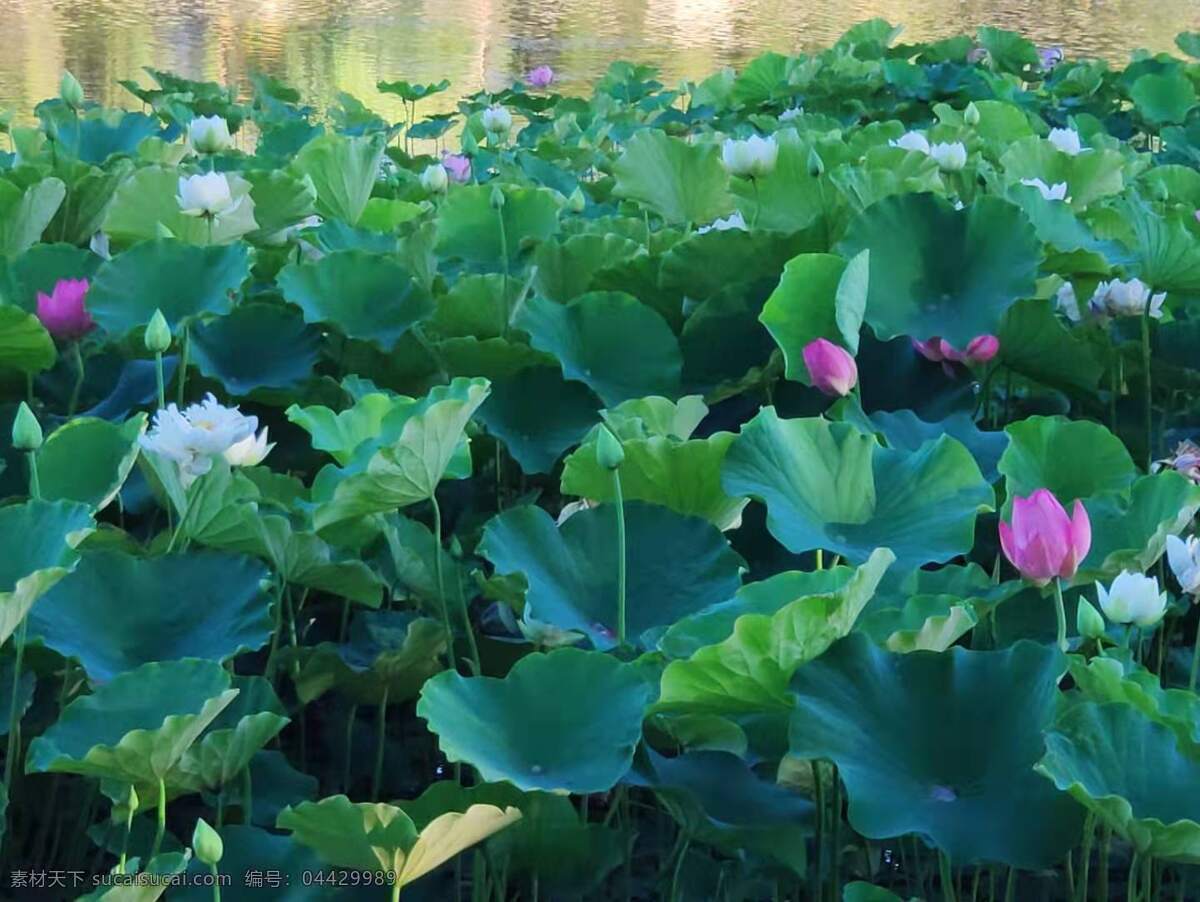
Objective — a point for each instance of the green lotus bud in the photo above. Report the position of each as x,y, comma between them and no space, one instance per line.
576,202
206,843
71,91
158,334
971,115
609,453
497,198
816,165
1088,621
26,430
131,799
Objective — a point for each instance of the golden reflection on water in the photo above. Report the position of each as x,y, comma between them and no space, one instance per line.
323,46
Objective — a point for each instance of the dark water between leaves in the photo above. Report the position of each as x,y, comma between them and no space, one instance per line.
322,46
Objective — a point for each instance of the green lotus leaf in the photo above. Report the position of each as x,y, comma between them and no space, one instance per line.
683,476
25,345
656,417
617,346
704,265
250,850
135,728
1035,343
939,271
412,92
157,876
1131,773
565,268
226,749
924,623
858,891
942,745
905,430
117,612
21,694
819,296
1131,533
1163,99
675,565
476,306
147,202
1071,458
409,469
364,295
1009,52
789,197
40,268
40,539
256,346
470,227
281,200
539,415
340,433
386,216
411,569
830,486
1166,251
683,183
531,739
87,460
750,670
89,196
25,214
343,170
181,280
1089,176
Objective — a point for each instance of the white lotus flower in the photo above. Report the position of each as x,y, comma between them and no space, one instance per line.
435,178
751,158
1068,302
192,438
1066,140
734,221
547,635
497,120
250,451
793,113
949,157
1184,558
1133,598
284,235
1057,191
209,134
206,195
912,141
1120,298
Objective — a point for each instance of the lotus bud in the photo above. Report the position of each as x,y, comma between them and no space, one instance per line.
541,77
435,179
209,134
831,368
496,120
1042,541
971,114
609,452
497,198
1088,622
752,158
64,311
949,157
206,843
1066,140
1184,557
26,430
816,166
577,202
158,334
1133,598
71,91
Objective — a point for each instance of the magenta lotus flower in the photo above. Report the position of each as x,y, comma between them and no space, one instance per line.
832,368
1042,541
930,349
64,312
457,166
541,77
980,349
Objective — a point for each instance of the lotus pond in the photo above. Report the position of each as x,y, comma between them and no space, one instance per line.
777,486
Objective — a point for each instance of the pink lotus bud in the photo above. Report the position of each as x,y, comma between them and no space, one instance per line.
63,311
457,166
931,349
832,368
981,349
1042,541
541,77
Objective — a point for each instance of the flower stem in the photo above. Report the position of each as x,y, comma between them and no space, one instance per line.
185,352
380,743
619,509
504,260
35,484
1195,661
1147,386
441,592
158,372
77,357
1061,613
947,875
216,883
162,818
14,717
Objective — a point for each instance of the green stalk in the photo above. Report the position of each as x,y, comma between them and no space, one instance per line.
349,740
1147,386
619,508
437,568
1131,890
504,260
14,719
1089,834
1060,612
1106,843
1010,890
158,372
77,357
835,810
1195,660
161,831
818,882
380,743
125,843
216,883
184,354
247,797
35,484
947,875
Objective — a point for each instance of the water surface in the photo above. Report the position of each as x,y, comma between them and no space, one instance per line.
322,46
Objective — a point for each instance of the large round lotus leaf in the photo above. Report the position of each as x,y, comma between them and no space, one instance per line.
830,486
538,415
522,728
610,341
682,182
469,224
343,169
941,744
1130,771
256,346
135,728
87,460
1035,343
1071,458
904,429
675,565
935,270
40,268
181,280
281,200
25,345
24,215
1163,98
364,295
565,268
117,612
147,202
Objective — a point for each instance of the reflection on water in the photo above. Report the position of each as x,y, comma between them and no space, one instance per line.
322,46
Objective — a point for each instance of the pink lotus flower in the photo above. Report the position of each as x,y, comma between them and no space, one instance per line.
980,349
457,166
63,311
1042,541
541,77
832,368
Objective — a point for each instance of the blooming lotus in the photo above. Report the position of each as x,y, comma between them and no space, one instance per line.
435,178
733,221
1184,557
1066,140
1057,191
198,434
209,134
1042,541
206,195
1185,460
949,157
497,120
250,451
458,167
1049,57
1068,302
791,114
64,311
980,349
1119,298
830,367
1132,598
912,141
751,158
541,77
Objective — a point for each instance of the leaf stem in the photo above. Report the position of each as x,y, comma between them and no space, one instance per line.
947,875
184,354
14,718
619,509
1147,387
77,357
162,818
380,743
35,484
437,569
